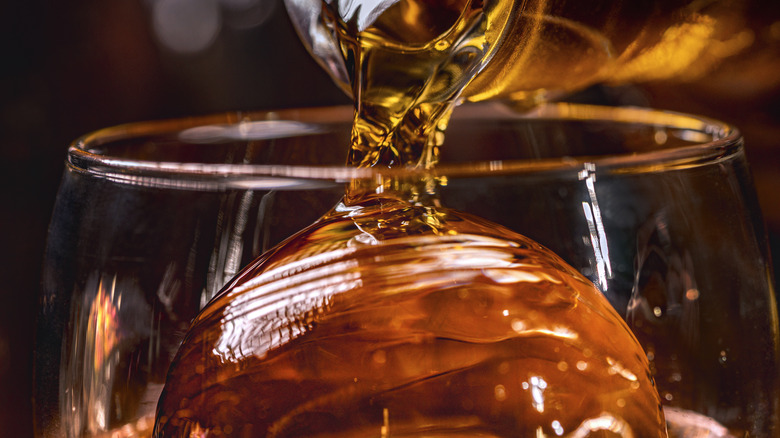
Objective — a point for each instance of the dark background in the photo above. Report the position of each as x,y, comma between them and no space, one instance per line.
67,68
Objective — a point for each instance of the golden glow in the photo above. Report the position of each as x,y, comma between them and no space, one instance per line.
102,329
678,54
384,431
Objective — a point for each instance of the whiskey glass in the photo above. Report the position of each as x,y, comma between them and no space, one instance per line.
657,209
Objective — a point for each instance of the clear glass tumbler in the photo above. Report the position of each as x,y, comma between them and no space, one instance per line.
657,209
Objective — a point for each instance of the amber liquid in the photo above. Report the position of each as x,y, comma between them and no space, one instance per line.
385,319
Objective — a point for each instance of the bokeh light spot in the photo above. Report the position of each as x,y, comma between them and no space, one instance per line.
186,26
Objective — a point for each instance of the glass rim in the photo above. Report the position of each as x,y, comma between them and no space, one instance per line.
713,140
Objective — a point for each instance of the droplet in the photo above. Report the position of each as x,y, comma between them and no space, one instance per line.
556,425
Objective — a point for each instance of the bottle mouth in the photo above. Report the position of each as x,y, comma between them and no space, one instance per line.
304,148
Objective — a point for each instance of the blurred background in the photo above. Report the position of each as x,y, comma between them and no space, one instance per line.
69,68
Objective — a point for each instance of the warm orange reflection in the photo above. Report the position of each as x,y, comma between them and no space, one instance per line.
102,329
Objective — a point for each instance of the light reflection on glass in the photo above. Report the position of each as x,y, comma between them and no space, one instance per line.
559,332
616,367
101,340
605,422
258,320
248,130
269,302
93,358
102,326
687,421
598,237
537,386
556,425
